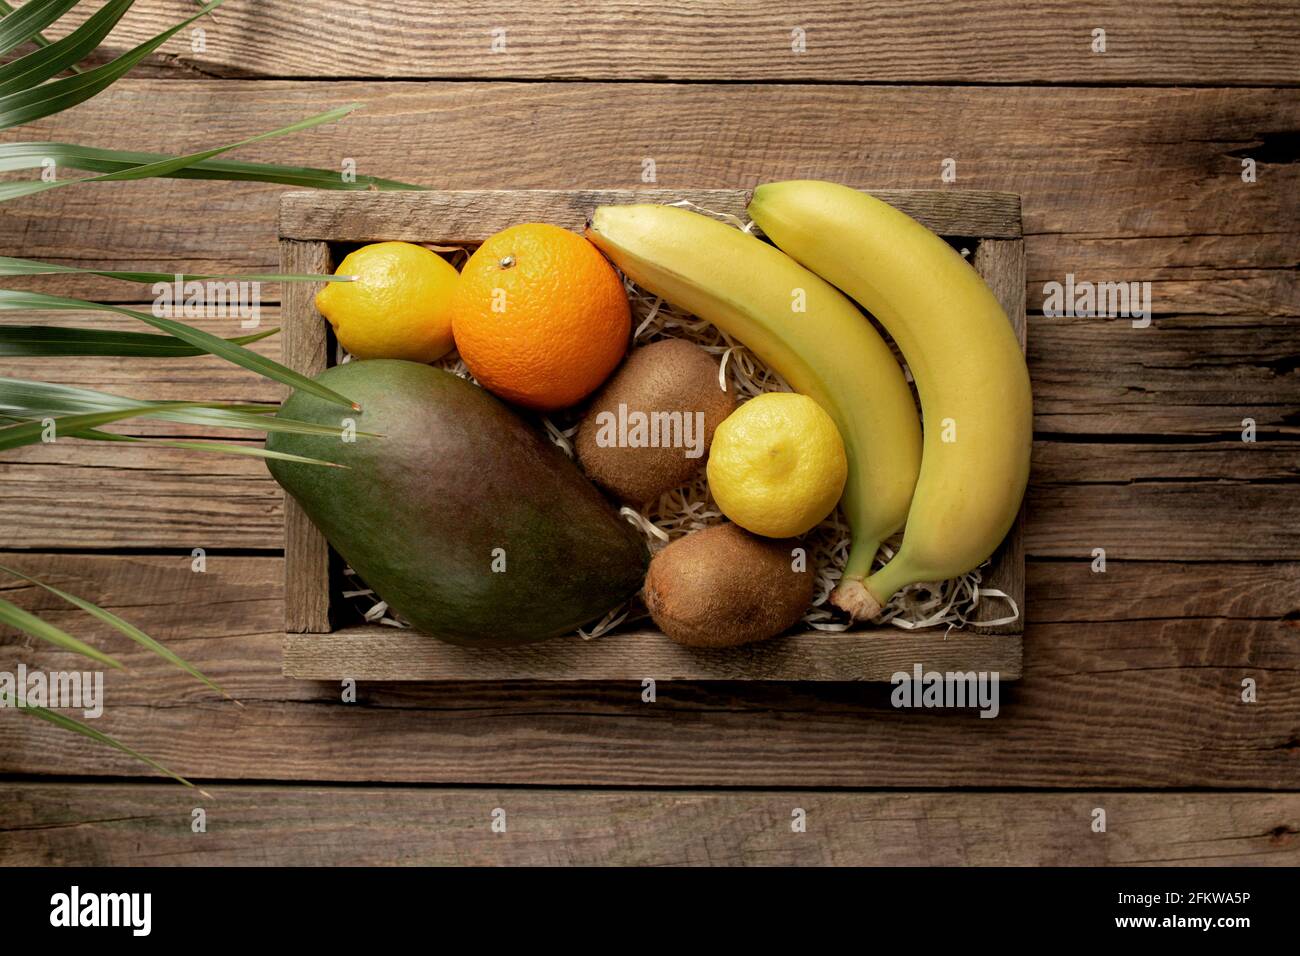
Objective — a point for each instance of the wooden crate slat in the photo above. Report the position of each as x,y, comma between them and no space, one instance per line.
309,222
473,215
306,345
1001,264
372,652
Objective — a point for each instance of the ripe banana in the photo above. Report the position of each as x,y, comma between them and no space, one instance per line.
967,364
802,328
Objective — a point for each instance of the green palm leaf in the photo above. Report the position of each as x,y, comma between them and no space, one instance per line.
52,58
11,266
13,299
28,431
27,93
68,723
32,155
25,399
29,623
32,104
31,432
225,448
57,340
124,627
26,24
170,164
36,38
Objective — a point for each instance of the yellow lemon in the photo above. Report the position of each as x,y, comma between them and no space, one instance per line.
397,307
777,465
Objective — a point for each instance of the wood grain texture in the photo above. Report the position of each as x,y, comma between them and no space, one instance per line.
149,825
391,654
467,216
1194,42
307,344
1109,659
1190,375
1149,187
76,494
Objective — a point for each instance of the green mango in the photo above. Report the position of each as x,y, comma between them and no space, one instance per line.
464,518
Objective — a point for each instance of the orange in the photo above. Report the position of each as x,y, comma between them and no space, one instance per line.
540,316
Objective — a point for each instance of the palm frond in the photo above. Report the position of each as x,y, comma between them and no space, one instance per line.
12,266
68,723
53,58
31,104
29,90
19,26
32,155
27,622
25,399
164,166
44,341
224,448
206,341
123,627
33,432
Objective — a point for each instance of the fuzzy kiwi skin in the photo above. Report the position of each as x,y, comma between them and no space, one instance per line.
722,587
671,375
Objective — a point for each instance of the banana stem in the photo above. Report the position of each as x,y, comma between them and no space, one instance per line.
851,594
888,580
861,554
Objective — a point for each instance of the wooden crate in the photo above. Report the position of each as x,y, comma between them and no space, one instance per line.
317,647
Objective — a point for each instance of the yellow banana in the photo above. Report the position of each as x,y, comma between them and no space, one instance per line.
964,357
801,327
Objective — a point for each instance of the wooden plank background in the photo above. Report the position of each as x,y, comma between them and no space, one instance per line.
1129,166
150,825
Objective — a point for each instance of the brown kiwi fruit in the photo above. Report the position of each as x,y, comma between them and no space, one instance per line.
723,586
670,376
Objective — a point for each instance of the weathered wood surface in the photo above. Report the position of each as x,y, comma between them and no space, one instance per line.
1149,187
1132,678
388,654
1184,375
464,216
150,825
76,494
1221,42
1224,501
